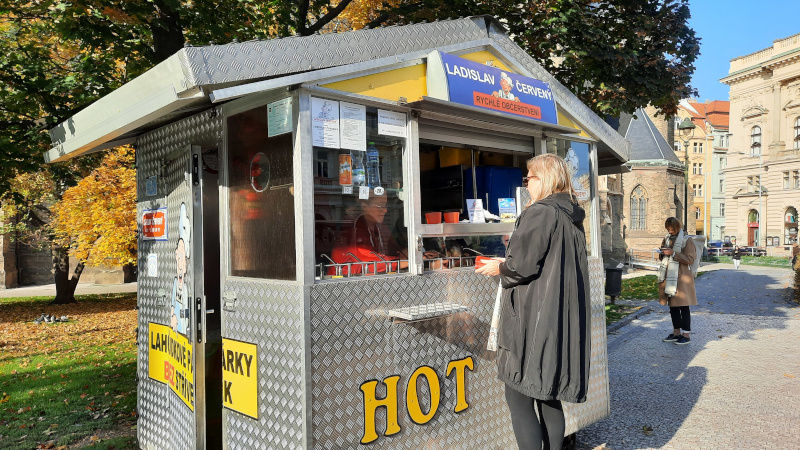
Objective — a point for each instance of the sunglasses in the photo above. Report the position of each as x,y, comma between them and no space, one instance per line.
525,179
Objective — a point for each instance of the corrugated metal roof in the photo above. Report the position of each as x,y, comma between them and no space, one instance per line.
181,85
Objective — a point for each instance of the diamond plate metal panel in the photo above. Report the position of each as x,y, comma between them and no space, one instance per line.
269,315
598,401
352,341
165,422
261,59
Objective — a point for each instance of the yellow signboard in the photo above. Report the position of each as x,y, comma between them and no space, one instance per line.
240,377
170,361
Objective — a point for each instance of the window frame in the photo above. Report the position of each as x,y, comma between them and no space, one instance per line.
755,141
638,205
797,133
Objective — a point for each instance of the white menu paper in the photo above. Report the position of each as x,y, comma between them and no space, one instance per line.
391,123
475,210
279,117
324,123
353,126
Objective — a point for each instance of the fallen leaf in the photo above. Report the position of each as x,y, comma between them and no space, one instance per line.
788,376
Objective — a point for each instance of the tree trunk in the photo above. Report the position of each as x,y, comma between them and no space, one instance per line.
65,286
167,31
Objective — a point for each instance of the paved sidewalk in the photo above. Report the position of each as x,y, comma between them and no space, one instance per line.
50,289
737,385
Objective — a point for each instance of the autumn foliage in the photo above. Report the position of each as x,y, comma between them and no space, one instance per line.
96,218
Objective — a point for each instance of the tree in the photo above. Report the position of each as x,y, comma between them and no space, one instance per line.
96,219
615,55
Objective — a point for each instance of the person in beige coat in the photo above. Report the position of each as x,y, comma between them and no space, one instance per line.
685,295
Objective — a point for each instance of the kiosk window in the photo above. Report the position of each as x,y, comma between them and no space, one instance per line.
577,156
261,196
360,227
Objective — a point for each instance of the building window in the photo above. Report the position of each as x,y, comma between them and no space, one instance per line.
753,183
697,147
694,168
321,165
638,209
797,133
786,184
755,141
700,168
677,146
698,190
722,209
790,226
697,213
796,178
721,186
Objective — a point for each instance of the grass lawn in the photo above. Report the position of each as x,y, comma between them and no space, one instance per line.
640,288
765,261
615,313
68,385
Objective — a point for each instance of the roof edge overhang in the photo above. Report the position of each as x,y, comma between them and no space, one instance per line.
130,106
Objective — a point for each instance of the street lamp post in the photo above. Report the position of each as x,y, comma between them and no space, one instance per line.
686,132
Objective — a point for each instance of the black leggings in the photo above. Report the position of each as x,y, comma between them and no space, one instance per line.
681,320
531,433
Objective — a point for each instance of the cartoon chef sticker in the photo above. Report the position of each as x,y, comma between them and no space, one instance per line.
506,86
180,291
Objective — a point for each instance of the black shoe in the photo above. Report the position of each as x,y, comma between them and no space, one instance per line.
671,338
682,340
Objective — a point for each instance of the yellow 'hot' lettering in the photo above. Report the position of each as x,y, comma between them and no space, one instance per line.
371,403
461,378
412,396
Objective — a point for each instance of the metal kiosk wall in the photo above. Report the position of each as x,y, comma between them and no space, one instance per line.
292,292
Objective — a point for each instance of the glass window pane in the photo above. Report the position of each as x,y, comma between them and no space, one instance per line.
358,205
261,197
577,156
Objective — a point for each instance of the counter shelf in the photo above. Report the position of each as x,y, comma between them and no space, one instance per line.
425,312
465,229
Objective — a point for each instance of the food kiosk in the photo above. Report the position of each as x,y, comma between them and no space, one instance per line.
310,210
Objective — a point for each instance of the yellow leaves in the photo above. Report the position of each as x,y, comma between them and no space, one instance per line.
97,217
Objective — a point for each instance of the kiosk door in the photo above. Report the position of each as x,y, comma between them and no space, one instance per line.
179,384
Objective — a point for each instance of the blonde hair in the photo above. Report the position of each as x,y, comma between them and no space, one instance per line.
554,175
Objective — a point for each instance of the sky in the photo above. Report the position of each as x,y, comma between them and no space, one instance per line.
732,28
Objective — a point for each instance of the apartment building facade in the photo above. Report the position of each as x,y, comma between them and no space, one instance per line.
708,147
762,177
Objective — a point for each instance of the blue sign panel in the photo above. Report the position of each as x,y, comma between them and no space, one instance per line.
473,84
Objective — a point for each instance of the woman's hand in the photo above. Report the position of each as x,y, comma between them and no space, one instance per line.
667,251
491,267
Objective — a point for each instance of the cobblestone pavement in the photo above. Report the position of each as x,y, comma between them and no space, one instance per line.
736,385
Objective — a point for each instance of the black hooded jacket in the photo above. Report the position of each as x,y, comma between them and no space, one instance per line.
544,343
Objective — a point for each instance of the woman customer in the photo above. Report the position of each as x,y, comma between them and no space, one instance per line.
737,256
677,288
543,340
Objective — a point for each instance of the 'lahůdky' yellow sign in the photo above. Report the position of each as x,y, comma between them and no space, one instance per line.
170,361
240,377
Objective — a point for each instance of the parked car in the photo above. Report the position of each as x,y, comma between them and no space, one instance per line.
720,251
753,251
